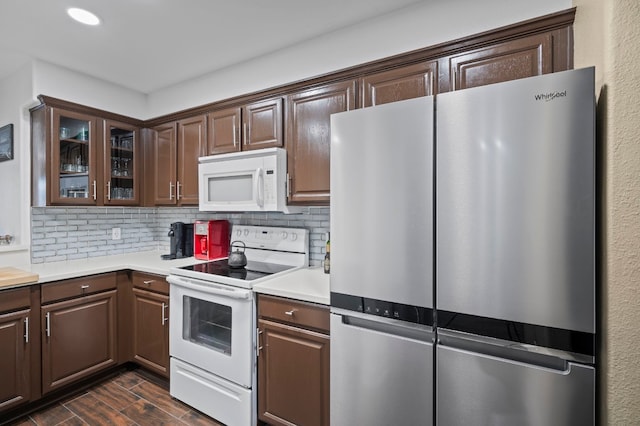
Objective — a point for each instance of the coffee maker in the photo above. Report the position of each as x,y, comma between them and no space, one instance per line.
180,240
210,239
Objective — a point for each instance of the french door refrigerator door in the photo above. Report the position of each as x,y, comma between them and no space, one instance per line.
381,371
382,202
481,383
515,201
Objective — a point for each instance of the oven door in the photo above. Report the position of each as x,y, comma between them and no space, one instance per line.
211,327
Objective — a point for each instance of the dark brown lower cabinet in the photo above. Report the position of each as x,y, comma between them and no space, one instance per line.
293,364
15,356
151,330
78,338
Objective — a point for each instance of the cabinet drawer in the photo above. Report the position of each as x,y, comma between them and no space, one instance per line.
151,282
12,300
78,287
294,312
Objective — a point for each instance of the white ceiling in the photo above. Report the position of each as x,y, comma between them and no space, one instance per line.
146,45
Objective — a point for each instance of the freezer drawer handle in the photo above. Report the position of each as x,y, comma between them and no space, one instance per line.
394,327
511,351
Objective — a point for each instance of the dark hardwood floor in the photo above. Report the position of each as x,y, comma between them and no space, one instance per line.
128,399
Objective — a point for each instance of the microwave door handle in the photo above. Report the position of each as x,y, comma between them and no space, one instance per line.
259,187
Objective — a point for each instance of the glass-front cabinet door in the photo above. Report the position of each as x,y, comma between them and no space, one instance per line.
120,164
73,174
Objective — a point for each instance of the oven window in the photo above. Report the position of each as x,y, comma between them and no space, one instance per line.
207,324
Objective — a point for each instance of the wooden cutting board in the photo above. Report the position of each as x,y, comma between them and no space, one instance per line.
13,276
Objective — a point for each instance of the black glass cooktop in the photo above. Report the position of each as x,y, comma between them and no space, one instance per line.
252,271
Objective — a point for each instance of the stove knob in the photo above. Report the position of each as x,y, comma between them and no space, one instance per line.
294,236
239,232
284,235
246,232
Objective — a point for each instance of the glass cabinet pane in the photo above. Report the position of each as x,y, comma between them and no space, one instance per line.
74,148
121,175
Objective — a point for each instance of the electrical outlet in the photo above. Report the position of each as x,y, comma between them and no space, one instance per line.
115,233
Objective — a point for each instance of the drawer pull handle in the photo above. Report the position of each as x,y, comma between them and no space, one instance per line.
148,282
84,287
290,313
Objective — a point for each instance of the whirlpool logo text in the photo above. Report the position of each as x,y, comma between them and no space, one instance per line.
550,96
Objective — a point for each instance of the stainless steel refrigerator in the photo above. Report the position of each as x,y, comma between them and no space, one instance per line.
515,252
493,200
382,336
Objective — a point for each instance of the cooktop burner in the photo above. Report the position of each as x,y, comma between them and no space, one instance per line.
252,271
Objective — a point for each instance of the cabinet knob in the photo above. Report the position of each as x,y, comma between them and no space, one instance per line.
290,313
148,282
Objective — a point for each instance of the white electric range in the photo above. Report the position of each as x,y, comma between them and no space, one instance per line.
212,330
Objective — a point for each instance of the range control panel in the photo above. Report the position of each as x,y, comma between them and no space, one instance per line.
272,238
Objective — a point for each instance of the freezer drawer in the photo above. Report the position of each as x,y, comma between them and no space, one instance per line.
380,374
477,389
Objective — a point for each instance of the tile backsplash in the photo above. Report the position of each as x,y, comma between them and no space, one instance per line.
67,233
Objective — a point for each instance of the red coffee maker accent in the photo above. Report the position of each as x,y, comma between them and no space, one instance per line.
210,239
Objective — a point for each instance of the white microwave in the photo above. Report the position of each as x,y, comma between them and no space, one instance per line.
245,181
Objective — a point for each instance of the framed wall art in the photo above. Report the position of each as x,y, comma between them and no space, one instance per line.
6,142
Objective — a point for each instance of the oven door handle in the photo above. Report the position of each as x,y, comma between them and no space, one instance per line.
209,288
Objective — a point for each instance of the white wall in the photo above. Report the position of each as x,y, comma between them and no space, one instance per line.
62,83
607,35
15,100
414,27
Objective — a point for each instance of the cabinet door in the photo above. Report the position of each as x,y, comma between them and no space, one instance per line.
510,60
151,330
191,145
73,173
262,125
293,375
79,339
309,139
399,84
15,356
164,160
223,131
121,160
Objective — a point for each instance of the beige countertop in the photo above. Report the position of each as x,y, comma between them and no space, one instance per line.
307,284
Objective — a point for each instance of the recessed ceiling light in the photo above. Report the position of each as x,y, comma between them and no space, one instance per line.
83,16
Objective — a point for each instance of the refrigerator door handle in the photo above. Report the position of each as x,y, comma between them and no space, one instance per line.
528,354
422,333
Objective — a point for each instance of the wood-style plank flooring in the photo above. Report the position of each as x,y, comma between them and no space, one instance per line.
128,399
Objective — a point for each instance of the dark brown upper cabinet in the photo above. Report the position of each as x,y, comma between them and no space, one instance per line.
174,149
79,158
509,60
309,139
253,126
398,84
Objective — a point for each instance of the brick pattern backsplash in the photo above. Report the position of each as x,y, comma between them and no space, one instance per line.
66,233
